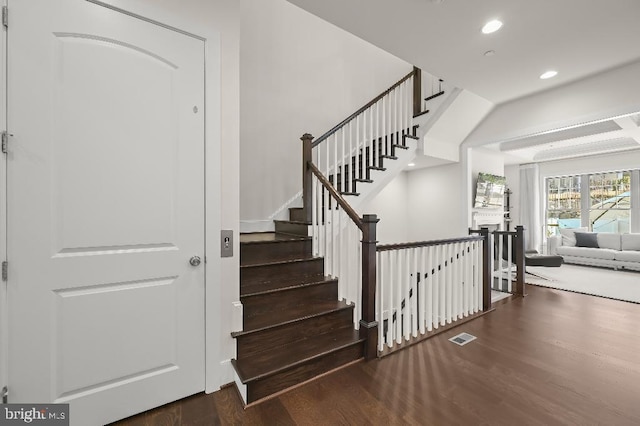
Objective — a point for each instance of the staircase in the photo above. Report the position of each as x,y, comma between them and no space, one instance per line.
297,323
294,326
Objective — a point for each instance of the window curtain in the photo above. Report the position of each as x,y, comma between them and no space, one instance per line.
530,205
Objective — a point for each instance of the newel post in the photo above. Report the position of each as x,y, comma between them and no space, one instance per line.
520,245
368,323
417,91
306,176
486,269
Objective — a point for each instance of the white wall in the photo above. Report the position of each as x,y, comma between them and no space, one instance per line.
435,203
298,74
218,22
391,206
604,95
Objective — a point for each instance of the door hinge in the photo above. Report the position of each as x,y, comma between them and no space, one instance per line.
5,270
5,394
5,16
5,141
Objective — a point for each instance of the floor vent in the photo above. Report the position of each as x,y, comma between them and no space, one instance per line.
462,339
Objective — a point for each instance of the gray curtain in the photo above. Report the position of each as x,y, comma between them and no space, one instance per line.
530,206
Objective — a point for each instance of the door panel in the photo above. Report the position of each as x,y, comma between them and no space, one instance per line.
133,162
105,194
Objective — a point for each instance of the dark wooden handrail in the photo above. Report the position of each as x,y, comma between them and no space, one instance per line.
339,199
358,112
400,246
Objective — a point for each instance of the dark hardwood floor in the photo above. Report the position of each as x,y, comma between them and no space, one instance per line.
551,358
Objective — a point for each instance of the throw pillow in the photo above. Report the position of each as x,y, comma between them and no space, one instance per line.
587,239
569,237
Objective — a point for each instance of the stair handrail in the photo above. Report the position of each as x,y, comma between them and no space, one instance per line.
415,73
336,195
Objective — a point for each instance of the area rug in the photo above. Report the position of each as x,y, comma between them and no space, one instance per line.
619,285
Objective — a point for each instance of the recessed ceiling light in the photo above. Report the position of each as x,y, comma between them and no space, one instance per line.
489,53
411,164
491,26
548,74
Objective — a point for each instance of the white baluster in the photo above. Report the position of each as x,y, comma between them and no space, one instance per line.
478,289
422,295
371,140
347,159
358,264
510,262
343,183
399,280
314,215
471,277
406,284
436,286
335,160
429,288
380,300
455,279
395,116
449,284
392,305
416,293
384,130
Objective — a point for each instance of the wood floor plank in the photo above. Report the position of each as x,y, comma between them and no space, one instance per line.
552,358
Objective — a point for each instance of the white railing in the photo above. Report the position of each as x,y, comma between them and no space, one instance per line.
344,153
504,267
424,286
336,237
430,86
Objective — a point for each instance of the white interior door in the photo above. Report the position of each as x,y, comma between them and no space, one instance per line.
105,197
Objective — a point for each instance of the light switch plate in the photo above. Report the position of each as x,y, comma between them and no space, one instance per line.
226,243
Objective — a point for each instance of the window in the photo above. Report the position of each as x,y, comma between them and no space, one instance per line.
563,203
610,206
609,202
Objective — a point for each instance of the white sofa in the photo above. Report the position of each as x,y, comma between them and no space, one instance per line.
617,251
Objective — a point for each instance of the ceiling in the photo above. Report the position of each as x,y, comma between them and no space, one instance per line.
577,38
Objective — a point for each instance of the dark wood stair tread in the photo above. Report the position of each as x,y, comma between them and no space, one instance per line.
306,309
282,259
391,157
267,363
266,237
281,284
292,259
382,169
440,93
364,180
294,222
426,111
350,193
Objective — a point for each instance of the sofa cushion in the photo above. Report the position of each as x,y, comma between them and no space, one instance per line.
630,241
628,256
609,240
592,253
587,239
569,237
